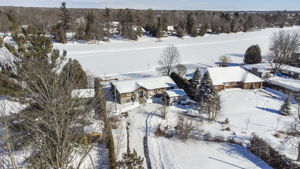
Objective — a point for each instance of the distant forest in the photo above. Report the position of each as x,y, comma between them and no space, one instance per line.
101,24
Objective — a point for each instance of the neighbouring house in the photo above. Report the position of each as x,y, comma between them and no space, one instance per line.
140,89
175,95
291,71
233,77
262,70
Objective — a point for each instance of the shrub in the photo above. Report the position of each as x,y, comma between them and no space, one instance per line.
207,137
226,121
252,55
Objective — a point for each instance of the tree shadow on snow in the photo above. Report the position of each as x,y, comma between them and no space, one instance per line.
235,150
236,55
269,110
229,64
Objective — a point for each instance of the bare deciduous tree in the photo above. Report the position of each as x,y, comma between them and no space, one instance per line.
185,127
180,69
284,44
293,132
169,60
224,61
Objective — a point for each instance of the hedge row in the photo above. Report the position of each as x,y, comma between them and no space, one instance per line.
276,160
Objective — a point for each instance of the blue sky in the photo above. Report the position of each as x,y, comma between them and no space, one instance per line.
165,4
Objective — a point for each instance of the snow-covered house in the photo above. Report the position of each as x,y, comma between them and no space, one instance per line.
175,95
291,71
261,69
233,77
144,88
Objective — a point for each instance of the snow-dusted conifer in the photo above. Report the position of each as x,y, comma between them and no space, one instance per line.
208,97
286,107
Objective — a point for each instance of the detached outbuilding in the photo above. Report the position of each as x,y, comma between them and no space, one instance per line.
234,77
175,95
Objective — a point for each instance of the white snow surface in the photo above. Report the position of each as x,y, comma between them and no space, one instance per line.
119,56
221,75
83,93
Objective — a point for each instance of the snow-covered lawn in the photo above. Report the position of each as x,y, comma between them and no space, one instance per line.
119,56
174,154
249,111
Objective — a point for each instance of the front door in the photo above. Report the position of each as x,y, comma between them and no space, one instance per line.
141,93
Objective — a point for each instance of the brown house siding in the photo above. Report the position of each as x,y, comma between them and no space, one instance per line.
240,85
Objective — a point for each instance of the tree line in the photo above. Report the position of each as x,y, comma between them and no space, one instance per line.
97,23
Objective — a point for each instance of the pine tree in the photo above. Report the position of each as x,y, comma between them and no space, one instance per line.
107,16
196,77
1,42
191,25
74,72
100,107
208,97
131,161
203,30
65,17
252,55
64,25
286,107
159,28
90,25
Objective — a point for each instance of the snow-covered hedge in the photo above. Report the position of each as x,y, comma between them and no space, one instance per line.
263,150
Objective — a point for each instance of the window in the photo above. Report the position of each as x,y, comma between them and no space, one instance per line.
158,90
128,94
226,84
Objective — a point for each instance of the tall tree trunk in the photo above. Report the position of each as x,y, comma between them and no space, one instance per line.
298,158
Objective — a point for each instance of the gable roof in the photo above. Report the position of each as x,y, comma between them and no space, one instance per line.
149,83
221,75
176,92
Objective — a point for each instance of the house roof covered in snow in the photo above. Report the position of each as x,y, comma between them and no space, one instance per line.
83,93
149,83
221,75
176,93
291,68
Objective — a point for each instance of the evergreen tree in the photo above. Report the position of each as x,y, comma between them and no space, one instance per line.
159,28
65,17
252,55
107,16
208,97
286,107
74,72
197,76
1,42
64,25
191,25
100,107
203,30
90,25
131,161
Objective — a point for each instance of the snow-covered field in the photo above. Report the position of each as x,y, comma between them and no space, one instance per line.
120,56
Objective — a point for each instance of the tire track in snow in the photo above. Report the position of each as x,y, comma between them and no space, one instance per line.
166,157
